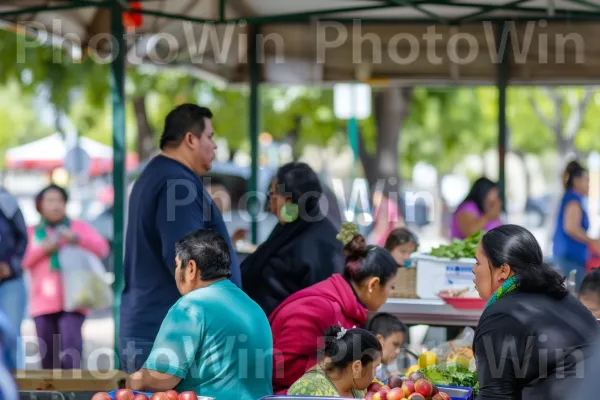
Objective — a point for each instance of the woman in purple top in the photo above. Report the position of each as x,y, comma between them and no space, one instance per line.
480,210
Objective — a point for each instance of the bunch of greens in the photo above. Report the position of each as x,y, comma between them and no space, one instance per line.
451,374
459,248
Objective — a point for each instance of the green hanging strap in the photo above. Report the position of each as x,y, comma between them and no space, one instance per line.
41,235
508,286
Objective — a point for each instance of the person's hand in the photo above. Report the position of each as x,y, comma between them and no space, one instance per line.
493,209
50,245
240,234
5,270
69,236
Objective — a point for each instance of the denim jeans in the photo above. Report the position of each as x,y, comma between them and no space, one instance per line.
565,266
13,302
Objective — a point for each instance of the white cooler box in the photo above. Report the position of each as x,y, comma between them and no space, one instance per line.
435,274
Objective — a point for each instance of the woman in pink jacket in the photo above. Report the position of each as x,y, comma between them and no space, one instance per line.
46,292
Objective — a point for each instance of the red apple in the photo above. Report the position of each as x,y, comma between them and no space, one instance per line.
408,387
172,395
189,395
374,387
395,381
441,396
423,387
124,394
369,396
395,394
159,396
434,390
382,394
101,396
386,388
416,396
140,396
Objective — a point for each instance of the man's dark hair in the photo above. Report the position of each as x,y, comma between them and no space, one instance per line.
181,120
385,324
591,284
209,251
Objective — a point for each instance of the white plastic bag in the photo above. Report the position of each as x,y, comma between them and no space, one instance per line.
84,286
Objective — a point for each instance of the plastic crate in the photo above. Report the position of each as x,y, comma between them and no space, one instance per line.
114,392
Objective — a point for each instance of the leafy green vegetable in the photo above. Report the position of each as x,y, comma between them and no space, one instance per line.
452,374
459,248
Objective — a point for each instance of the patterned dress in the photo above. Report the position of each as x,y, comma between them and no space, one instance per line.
316,383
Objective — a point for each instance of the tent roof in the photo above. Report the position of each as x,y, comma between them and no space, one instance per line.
320,41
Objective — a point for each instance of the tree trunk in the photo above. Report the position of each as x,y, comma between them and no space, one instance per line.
145,138
521,156
292,138
391,107
232,153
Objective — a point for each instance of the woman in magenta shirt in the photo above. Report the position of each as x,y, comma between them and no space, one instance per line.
480,210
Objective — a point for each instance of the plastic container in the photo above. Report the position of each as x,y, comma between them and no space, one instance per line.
112,394
457,393
435,274
465,303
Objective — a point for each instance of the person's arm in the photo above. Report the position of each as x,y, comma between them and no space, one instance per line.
21,240
178,213
36,252
469,221
497,348
173,353
87,238
572,222
296,343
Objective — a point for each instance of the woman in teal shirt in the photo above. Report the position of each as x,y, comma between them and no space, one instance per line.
215,340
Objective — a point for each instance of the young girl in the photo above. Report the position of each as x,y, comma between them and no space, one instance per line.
401,243
346,367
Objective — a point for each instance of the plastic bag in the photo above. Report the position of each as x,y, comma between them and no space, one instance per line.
84,286
461,346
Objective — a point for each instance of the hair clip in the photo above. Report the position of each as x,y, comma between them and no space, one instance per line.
341,333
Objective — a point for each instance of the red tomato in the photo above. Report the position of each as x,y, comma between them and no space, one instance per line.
159,396
173,395
189,395
140,396
101,396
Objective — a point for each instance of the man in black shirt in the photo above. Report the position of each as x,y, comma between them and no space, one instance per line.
167,201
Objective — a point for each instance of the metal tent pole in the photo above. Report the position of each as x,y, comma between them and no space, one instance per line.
118,100
254,71
502,42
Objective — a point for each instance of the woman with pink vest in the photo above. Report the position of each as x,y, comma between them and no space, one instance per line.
46,291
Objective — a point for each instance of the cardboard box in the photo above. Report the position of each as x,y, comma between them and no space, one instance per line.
70,380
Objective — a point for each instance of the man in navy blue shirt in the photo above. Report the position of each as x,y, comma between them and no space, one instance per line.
167,201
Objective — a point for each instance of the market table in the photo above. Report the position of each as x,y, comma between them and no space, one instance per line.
430,312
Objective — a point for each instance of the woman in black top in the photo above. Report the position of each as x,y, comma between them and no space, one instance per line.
534,339
302,249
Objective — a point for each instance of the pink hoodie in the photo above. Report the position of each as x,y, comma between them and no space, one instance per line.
300,322
46,294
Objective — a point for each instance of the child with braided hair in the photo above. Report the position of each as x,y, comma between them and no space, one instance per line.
300,322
